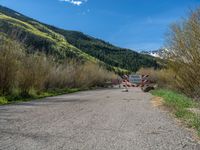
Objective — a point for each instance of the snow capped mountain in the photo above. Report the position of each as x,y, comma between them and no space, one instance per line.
160,53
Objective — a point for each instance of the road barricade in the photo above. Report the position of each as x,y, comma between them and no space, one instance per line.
141,81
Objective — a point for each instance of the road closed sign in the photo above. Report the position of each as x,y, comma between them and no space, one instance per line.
135,79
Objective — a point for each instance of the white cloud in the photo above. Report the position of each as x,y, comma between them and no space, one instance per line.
75,2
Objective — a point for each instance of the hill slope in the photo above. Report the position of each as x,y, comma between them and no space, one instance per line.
73,44
115,56
37,37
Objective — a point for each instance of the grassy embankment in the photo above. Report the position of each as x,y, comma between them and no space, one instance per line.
33,95
181,107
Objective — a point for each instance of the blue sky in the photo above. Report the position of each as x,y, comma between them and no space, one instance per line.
134,24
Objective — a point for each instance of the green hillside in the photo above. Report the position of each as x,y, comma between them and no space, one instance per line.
115,56
63,44
38,37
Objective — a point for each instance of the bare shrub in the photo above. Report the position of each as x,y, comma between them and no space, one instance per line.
33,72
36,72
10,55
149,71
62,75
72,75
183,42
90,74
164,77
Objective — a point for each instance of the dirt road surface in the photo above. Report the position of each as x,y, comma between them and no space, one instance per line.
92,120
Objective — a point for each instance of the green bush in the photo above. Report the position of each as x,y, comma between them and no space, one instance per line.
3,101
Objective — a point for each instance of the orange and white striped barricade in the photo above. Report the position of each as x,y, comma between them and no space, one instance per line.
145,80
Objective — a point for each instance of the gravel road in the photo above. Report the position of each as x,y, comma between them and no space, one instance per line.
92,120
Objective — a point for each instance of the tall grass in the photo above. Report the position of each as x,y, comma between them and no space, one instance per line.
23,74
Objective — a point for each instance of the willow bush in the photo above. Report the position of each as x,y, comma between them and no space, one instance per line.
184,44
10,62
25,72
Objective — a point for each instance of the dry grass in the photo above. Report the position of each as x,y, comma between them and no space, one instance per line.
157,101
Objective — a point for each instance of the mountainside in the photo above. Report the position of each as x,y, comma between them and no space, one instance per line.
36,36
115,56
63,44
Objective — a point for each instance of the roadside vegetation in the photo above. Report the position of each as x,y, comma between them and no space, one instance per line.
26,75
182,72
179,81
182,107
